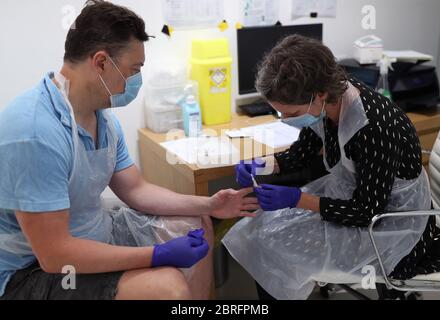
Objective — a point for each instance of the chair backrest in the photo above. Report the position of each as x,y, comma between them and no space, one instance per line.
434,175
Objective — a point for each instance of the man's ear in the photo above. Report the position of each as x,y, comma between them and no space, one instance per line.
99,61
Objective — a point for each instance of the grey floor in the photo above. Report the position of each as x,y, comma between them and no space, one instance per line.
240,286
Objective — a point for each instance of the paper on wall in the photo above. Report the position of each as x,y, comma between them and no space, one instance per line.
324,8
181,14
260,12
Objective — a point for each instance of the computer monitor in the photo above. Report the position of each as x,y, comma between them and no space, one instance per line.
254,42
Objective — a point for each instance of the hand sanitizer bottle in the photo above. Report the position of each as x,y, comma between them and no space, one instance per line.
383,85
192,117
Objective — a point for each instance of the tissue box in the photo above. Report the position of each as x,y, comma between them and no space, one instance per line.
368,49
367,55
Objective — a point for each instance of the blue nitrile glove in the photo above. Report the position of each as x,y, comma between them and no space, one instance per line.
243,172
183,252
272,198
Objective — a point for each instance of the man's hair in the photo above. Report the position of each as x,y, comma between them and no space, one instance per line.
298,67
102,26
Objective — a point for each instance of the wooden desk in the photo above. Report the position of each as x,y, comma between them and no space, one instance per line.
427,124
189,179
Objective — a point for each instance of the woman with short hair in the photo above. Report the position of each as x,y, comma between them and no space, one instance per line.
373,156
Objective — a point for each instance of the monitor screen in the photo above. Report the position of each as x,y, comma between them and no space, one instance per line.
254,42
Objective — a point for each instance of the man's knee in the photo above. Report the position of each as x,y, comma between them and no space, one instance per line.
154,284
177,287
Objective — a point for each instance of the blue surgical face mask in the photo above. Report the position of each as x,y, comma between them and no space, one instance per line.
306,120
132,86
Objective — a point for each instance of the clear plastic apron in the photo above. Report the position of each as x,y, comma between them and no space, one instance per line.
288,250
91,174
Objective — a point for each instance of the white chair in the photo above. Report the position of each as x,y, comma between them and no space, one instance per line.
420,283
407,289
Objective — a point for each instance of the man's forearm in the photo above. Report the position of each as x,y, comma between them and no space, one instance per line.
88,256
155,200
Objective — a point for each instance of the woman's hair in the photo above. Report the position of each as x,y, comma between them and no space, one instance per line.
298,67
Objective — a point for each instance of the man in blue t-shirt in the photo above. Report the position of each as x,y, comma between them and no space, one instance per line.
59,149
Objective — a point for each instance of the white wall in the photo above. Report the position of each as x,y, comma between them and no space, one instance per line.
32,39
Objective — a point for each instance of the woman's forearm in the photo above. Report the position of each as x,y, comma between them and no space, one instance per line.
309,202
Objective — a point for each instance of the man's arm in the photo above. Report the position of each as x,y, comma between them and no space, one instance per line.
54,247
132,189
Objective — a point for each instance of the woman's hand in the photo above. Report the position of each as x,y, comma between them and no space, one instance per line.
244,172
260,166
228,204
272,198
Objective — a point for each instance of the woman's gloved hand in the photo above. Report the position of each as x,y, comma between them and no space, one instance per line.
243,172
183,252
272,198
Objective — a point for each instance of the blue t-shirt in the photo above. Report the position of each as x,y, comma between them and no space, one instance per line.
36,159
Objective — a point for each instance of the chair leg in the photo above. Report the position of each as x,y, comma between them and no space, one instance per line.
387,294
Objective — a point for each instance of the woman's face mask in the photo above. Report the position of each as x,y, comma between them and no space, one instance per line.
132,86
305,120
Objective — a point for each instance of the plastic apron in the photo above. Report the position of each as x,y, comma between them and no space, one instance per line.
286,251
90,175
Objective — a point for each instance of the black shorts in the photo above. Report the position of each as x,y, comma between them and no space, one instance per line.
33,283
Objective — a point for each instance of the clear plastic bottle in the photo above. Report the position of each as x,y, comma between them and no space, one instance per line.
192,117
383,85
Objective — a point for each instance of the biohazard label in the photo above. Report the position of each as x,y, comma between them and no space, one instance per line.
218,80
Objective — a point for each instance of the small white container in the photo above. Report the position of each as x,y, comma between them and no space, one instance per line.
163,92
162,111
368,49
367,55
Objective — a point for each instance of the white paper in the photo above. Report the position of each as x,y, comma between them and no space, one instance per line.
181,14
275,134
260,12
237,134
205,152
324,8
407,55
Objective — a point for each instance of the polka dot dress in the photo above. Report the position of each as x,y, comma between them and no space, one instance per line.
387,148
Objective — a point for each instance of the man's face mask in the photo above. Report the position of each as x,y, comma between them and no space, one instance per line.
132,86
306,120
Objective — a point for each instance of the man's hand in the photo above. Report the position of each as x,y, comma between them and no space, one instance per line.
228,204
183,252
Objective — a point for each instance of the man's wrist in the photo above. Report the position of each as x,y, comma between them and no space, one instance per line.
152,255
208,206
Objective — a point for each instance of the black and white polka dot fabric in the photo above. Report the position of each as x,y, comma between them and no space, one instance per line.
387,148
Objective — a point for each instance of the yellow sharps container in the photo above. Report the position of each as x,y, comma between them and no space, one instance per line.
211,68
